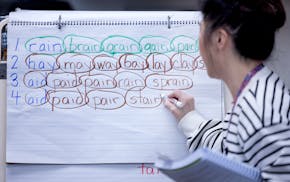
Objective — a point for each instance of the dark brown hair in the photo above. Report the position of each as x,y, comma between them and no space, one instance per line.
252,23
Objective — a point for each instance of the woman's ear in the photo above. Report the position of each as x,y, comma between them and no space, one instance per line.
220,39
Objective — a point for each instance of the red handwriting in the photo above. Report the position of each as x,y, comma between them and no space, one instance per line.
74,63
105,82
128,80
159,62
105,100
185,62
133,62
143,98
98,81
62,80
104,62
168,82
148,170
66,99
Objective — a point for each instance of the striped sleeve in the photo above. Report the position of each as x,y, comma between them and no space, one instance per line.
265,130
269,150
201,132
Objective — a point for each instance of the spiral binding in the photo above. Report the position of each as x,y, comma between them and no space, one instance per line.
61,23
106,23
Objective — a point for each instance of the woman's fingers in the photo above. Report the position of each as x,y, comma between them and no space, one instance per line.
172,107
186,101
177,94
181,96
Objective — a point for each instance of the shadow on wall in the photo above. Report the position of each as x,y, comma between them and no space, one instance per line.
40,5
100,5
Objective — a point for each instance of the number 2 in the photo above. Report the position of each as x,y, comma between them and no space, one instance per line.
15,59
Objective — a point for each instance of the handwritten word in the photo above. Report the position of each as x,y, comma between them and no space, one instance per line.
74,63
184,44
45,45
148,170
159,62
66,99
129,80
35,79
41,62
81,44
120,44
185,62
104,62
98,81
154,44
62,80
133,62
168,82
142,99
105,100
36,98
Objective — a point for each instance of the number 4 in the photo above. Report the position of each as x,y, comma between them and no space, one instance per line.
15,94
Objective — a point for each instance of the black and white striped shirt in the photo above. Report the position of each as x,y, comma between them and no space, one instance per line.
256,132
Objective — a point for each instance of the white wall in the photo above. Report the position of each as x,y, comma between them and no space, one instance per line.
280,60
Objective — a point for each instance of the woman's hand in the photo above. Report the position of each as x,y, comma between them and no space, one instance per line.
186,100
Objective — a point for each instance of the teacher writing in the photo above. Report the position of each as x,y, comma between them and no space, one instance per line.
236,37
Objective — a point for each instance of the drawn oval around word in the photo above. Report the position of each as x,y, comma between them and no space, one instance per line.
199,63
35,79
152,44
105,100
98,81
143,98
104,62
184,44
183,62
75,63
81,44
36,97
128,80
168,82
133,62
66,99
45,45
159,62
41,62
62,80
120,44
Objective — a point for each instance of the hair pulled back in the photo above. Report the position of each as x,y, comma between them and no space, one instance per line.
252,23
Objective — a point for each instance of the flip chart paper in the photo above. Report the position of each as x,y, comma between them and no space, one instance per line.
84,173
89,91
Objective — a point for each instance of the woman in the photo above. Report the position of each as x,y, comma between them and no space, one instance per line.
236,37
